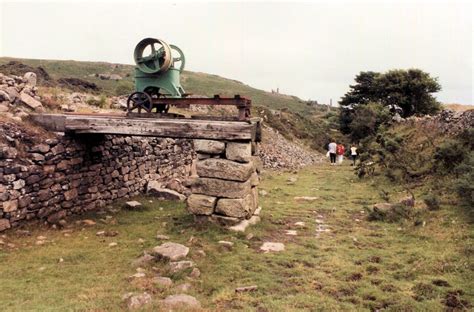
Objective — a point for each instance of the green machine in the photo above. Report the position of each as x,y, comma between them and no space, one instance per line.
157,85
157,75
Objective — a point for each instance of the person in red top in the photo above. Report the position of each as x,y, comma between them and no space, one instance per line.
340,153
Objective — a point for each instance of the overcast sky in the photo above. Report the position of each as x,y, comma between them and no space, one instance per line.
309,49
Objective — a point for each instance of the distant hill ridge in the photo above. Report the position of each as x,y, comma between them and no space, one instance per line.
193,82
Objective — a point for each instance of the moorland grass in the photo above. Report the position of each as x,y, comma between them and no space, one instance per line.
358,265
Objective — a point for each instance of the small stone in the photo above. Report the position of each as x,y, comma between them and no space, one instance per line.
305,198
143,260
254,220
18,184
240,227
4,224
183,288
291,232
162,237
133,205
272,247
257,211
164,193
300,224
60,260
249,236
195,273
163,281
100,233
138,275
10,206
141,240
137,301
262,193
113,244
292,180
88,222
181,301
246,289
226,244
201,253
180,266
30,78
171,251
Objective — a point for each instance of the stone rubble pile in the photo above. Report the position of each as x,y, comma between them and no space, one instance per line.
225,190
277,152
18,95
448,121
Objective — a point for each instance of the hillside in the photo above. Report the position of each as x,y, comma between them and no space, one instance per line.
290,115
193,82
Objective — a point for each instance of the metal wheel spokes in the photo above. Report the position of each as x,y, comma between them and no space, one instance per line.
178,57
159,59
139,101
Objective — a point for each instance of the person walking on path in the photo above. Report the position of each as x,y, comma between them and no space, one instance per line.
340,153
332,152
353,154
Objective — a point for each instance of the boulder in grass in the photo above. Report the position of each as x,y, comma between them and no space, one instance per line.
135,302
155,189
133,205
171,251
179,302
179,266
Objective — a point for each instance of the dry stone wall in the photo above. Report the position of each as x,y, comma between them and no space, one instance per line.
225,189
50,178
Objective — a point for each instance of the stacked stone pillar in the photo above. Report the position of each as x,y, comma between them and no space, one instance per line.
225,189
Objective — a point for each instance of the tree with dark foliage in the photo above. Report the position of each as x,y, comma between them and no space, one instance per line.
411,90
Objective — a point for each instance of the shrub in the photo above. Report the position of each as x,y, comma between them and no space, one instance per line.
101,102
448,155
124,88
464,184
431,202
390,213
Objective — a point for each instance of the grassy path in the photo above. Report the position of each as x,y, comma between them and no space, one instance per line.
338,261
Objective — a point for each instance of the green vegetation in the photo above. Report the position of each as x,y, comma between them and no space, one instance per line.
101,102
358,265
410,154
409,90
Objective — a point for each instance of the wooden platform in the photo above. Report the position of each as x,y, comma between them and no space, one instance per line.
159,127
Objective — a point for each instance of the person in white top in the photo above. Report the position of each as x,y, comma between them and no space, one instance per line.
353,154
332,152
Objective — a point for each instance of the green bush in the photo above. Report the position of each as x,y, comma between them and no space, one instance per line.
449,155
124,88
464,184
392,213
101,102
432,202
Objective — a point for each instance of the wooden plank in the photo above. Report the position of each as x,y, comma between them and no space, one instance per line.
171,128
